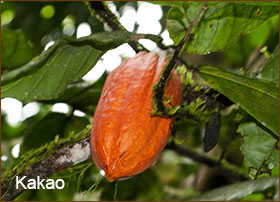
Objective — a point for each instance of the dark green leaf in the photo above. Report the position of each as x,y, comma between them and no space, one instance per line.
238,190
75,125
270,71
220,26
16,49
41,30
258,146
43,131
258,97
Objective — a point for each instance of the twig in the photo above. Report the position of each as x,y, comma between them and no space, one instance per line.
223,167
162,82
112,21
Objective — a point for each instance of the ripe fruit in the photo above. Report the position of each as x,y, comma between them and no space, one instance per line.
125,138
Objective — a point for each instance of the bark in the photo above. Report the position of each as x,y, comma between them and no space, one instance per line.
60,160
78,152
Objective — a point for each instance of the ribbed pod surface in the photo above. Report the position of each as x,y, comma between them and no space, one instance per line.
125,138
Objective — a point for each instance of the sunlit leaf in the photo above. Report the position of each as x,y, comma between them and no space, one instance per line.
220,25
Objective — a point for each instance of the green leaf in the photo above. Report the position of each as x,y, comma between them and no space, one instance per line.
222,24
258,97
82,96
168,3
258,146
16,49
181,3
47,76
75,125
238,190
43,131
270,71
67,64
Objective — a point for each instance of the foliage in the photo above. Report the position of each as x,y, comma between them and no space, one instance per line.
238,191
232,49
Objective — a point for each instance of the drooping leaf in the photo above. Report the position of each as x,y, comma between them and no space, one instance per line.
270,71
16,48
238,190
258,146
258,97
220,25
46,77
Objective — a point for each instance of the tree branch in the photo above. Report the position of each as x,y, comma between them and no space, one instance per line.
162,82
112,21
79,151
222,167
62,156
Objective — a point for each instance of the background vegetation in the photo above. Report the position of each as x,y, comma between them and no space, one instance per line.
234,45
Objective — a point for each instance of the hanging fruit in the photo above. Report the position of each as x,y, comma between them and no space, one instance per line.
125,138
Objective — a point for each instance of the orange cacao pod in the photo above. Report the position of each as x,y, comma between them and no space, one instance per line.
125,138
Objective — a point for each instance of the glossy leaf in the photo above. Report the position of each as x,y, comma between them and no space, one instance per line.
16,49
220,25
238,190
270,71
48,76
67,64
258,97
258,146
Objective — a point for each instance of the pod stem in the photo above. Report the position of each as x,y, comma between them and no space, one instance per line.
159,92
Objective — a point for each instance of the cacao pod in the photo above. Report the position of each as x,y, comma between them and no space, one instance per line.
125,138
